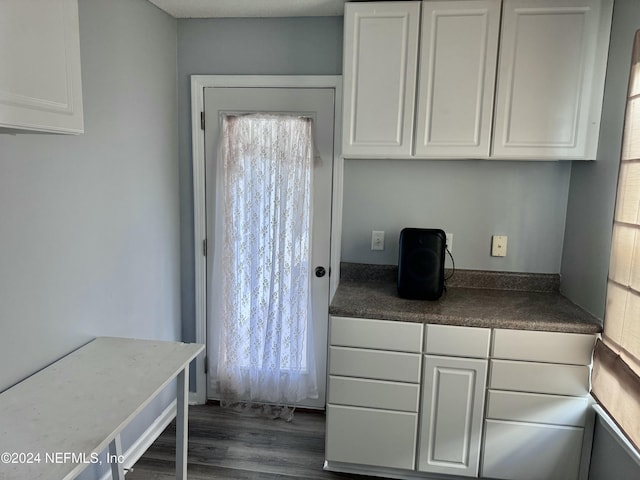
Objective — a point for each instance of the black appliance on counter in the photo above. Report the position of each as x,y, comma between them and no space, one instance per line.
421,263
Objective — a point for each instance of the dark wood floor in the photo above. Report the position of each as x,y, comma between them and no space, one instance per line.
230,446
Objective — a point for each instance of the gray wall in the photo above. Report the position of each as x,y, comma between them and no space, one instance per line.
233,46
587,244
89,224
471,199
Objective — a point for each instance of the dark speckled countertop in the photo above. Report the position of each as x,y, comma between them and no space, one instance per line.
473,298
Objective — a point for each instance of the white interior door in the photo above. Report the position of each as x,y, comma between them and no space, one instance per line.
317,103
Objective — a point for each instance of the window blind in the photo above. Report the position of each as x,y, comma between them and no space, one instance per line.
616,371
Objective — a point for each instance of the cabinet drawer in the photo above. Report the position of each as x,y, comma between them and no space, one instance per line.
550,347
374,364
457,341
529,451
359,392
371,437
377,334
539,377
537,407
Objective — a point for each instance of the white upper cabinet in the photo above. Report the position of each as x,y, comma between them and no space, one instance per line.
546,61
380,61
40,82
551,78
458,56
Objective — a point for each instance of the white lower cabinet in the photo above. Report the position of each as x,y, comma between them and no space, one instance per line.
373,437
452,414
407,400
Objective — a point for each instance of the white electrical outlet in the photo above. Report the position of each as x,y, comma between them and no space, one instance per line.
450,242
377,240
499,246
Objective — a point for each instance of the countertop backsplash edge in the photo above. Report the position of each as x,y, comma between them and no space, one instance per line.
483,279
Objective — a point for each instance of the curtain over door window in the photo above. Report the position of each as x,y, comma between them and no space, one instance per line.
262,259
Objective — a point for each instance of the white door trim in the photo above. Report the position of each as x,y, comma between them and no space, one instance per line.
198,84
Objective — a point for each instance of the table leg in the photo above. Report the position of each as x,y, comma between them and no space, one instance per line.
115,454
182,424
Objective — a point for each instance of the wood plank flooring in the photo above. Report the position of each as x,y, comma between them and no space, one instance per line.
230,446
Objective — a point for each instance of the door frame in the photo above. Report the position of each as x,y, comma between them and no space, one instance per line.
198,84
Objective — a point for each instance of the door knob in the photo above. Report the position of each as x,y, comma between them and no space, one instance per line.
320,272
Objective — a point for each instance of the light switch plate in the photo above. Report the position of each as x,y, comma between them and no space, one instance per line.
377,240
499,246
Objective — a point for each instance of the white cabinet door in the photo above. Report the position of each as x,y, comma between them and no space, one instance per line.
459,50
452,411
550,78
530,451
40,83
371,437
380,62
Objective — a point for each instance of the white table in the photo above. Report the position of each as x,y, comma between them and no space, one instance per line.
79,405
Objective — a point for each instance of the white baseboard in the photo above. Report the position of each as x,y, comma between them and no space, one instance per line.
195,399
133,453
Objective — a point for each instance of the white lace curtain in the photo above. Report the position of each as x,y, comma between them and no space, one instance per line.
261,274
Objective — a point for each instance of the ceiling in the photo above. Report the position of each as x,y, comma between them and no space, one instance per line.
250,8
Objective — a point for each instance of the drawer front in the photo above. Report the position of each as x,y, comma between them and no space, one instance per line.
359,392
539,377
371,437
376,334
529,451
549,347
457,341
374,364
537,408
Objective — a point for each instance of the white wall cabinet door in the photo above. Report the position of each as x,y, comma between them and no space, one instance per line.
40,82
551,78
458,56
452,415
379,74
